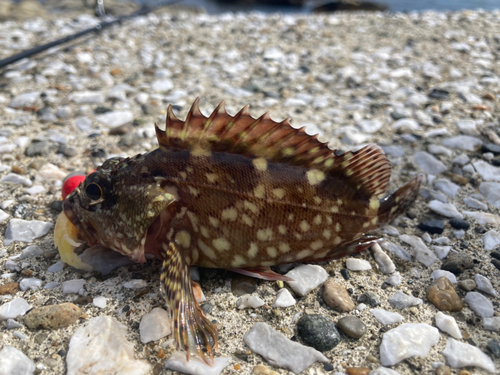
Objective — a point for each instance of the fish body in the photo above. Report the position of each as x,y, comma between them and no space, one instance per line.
238,193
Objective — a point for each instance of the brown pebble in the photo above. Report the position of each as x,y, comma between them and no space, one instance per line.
161,353
10,288
357,370
464,372
456,178
115,72
480,107
263,370
372,359
26,272
52,316
489,96
18,170
442,295
443,370
84,300
237,366
120,130
337,297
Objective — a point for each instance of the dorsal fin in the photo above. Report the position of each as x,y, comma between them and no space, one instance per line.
367,169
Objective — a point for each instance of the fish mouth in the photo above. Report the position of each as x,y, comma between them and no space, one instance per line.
67,239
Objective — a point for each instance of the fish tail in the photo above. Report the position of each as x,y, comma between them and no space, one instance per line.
192,331
399,201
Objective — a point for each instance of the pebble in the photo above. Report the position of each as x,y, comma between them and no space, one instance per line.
369,298
491,239
420,250
394,279
407,340
384,371
357,371
25,99
284,298
461,159
9,288
72,286
441,273
484,218
115,118
337,297
99,302
428,163
462,142
355,264
448,324
135,284
459,224
107,350
385,263
319,332
401,300
249,302
494,348
387,317
177,362
479,304
279,350
16,179
445,209
457,263
87,97
396,250
306,278
14,308
432,226
352,326
15,362
491,190
492,324
442,295
484,285
154,325
263,370
52,316
459,354
30,283
467,285
12,324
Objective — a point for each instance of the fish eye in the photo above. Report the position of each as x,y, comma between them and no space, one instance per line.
94,191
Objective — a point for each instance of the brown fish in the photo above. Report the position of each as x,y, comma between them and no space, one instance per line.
231,192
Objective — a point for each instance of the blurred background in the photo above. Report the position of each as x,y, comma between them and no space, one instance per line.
28,8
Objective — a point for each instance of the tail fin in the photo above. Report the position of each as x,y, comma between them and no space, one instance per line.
398,202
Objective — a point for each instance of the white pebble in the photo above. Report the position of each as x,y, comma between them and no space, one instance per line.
284,298
306,277
72,286
14,308
107,350
277,349
459,354
445,209
355,264
401,300
407,340
385,263
420,250
30,283
249,302
484,285
16,179
56,267
387,317
441,251
492,324
135,284
491,239
15,362
448,324
195,366
154,325
99,302
51,285
3,216
479,304
394,279
440,273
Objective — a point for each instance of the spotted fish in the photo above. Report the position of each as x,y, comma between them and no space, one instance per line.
232,192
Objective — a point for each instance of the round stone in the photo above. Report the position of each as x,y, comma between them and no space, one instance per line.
318,332
370,299
442,295
352,326
432,226
337,297
459,224
53,316
457,263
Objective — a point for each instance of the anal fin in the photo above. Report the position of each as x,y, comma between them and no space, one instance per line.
264,273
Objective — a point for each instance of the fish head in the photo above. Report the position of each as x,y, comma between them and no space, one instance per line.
116,207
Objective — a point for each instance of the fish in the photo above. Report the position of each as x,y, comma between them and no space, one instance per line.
232,192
